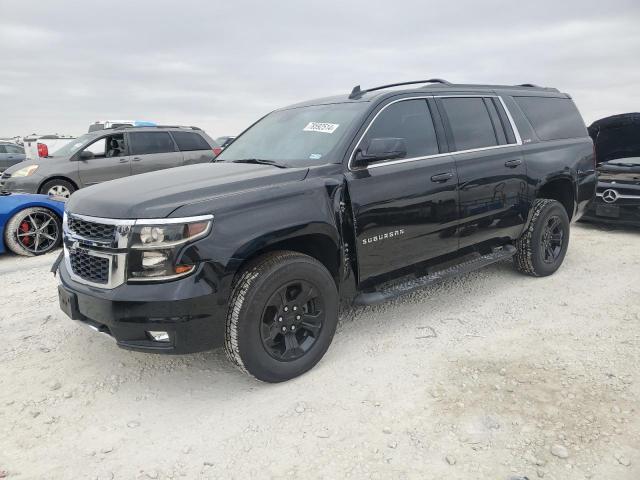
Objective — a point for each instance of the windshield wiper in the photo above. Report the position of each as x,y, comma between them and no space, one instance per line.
260,161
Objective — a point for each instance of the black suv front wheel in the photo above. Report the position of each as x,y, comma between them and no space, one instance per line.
282,316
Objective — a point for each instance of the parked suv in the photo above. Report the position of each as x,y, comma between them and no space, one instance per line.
617,142
109,154
10,154
355,198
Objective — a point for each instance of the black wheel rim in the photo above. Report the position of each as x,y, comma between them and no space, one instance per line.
37,232
552,239
292,320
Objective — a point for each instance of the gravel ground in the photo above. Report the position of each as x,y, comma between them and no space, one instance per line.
492,375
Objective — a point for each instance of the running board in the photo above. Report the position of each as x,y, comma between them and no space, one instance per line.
394,291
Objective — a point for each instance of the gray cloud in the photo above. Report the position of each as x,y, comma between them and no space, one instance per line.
221,65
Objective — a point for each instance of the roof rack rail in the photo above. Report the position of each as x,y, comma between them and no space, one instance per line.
531,85
357,91
156,126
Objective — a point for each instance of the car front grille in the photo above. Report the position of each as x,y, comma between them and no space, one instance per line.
91,230
89,267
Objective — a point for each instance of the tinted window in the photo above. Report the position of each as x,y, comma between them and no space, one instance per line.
470,122
188,141
552,118
142,143
411,120
3,149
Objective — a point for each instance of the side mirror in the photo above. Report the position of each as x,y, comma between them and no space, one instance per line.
86,155
381,149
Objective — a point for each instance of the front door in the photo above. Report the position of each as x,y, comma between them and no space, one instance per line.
152,151
491,170
110,160
405,210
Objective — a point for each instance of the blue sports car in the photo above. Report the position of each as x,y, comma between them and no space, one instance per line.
30,224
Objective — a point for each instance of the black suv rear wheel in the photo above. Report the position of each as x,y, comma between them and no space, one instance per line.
543,245
282,316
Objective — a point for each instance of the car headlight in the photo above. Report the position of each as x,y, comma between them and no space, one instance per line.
25,172
156,246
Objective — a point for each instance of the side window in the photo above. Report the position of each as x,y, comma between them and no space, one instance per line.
189,141
552,118
14,149
97,148
143,143
471,125
408,119
3,149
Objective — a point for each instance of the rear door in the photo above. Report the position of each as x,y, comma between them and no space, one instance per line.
193,146
491,171
405,210
152,151
110,160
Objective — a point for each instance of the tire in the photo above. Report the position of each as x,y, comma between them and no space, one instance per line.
58,187
33,231
543,245
268,296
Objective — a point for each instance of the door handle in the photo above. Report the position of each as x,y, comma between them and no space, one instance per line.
513,163
123,160
442,177
136,159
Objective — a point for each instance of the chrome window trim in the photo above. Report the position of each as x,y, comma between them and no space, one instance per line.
516,132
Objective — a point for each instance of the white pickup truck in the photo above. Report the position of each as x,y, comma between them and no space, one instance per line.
40,146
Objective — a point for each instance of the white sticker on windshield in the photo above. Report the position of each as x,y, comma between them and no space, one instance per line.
321,127
315,156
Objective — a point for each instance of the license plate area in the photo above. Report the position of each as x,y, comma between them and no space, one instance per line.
68,303
611,211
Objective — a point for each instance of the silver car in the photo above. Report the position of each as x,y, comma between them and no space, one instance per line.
10,154
109,154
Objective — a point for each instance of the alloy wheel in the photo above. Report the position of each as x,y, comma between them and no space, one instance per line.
38,232
292,320
59,191
552,239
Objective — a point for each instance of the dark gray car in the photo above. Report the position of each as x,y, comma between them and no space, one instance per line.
10,154
109,154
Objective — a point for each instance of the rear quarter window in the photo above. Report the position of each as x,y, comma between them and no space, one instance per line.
553,118
190,141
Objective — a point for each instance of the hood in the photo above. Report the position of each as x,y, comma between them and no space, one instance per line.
157,194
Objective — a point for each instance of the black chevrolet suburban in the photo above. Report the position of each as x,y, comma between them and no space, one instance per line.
354,198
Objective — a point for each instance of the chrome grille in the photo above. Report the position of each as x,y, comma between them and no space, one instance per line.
91,230
88,267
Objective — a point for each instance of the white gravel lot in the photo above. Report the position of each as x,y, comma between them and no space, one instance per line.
492,375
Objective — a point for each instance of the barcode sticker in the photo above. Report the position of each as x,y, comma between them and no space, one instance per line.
321,127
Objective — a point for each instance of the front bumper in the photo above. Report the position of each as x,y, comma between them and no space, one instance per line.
191,310
621,212
20,185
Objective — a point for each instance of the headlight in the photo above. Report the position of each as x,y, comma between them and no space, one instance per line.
156,245
25,172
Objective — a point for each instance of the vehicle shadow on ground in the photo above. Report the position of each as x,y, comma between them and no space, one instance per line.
608,227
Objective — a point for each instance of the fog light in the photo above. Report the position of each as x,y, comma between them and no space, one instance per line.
159,336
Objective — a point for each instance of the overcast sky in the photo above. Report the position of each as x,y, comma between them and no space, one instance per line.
222,64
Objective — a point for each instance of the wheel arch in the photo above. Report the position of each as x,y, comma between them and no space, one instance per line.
561,188
57,177
321,243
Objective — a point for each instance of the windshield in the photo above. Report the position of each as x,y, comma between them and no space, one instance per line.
296,137
73,146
